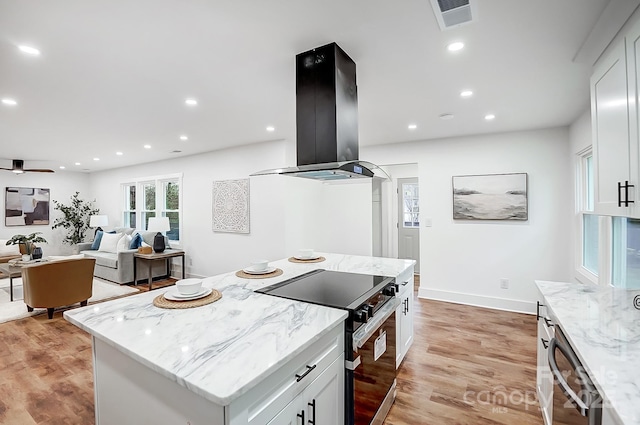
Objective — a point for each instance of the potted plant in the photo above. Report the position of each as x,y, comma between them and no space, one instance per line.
27,241
75,218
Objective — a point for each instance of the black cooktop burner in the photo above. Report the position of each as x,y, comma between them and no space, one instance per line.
329,288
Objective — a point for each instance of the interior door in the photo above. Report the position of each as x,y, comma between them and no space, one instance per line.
409,220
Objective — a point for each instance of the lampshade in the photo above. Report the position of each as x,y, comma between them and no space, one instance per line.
159,224
98,220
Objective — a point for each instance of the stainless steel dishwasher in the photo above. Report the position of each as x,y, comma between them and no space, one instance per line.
575,399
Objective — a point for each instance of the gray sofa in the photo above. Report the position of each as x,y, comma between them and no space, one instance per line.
119,267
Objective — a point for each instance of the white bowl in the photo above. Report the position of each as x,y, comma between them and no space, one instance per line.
259,265
306,253
189,286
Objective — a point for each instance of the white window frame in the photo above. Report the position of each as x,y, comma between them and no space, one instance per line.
583,274
160,198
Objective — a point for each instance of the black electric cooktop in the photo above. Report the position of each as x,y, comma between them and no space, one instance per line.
330,288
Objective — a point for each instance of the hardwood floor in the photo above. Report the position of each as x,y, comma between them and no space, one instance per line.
46,373
468,365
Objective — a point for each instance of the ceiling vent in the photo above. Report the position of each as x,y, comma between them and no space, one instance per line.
453,13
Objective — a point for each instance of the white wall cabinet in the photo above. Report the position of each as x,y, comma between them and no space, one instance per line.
544,381
404,314
616,126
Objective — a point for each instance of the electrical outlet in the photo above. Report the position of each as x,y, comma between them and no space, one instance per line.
190,261
504,283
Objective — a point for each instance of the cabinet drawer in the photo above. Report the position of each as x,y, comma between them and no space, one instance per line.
269,397
404,281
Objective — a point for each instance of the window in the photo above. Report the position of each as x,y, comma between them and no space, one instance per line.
589,222
151,197
411,208
625,267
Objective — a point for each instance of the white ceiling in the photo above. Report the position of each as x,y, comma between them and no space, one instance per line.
113,75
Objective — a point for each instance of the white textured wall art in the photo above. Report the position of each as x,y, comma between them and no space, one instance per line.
231,206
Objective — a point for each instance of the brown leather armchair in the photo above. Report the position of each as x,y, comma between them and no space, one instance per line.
58,283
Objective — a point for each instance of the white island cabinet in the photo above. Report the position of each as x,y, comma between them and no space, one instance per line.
248,358
404,315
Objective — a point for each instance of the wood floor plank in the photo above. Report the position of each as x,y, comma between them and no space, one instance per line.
463,362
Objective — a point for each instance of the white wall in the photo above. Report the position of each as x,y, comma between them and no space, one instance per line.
329,217
207,252
463,261
63,185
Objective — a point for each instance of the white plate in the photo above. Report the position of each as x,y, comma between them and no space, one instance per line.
174,295
306,258
250,270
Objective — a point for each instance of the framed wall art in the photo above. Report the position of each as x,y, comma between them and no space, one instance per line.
231,206
490,197
26,206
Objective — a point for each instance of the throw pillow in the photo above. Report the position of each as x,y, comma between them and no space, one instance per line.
95,246
123,243
125,230
109,242
136,241
8,249
96,241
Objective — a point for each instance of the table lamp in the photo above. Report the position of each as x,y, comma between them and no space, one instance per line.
158,224
97,221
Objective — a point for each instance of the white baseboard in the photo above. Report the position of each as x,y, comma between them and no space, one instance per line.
504,304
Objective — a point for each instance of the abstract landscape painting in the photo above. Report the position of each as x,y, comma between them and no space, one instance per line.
490,197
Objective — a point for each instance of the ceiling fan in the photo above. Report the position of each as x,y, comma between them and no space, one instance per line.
18,168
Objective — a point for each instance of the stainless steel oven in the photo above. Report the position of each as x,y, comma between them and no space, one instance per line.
370,335
575,398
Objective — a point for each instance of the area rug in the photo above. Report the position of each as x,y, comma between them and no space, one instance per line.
17,309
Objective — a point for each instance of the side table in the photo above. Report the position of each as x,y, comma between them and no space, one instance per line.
11,271
166,255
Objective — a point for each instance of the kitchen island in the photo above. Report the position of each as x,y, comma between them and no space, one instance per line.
603,327
223,363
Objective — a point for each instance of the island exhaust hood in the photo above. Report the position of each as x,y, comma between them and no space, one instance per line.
326,118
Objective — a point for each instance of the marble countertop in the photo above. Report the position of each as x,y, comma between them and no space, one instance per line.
211,349
603,328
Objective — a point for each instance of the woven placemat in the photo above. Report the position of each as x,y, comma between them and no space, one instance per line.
162,302
315,260
242,274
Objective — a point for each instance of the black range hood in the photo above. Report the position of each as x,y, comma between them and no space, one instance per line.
326,118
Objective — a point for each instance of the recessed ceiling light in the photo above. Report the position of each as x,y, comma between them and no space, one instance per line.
96,159
489,117
62,167
454,47
191,102
77,163
412,126
466,93
119,153
271,128
446,116
147,146
184,138
10,102
29,50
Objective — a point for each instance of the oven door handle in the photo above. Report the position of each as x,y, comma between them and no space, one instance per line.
577,402
362,335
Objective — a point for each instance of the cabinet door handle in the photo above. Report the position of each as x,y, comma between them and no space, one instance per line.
407,304
626,193
548,322
545,343
312,421
405,283
619,194
308,371
301,415
538,305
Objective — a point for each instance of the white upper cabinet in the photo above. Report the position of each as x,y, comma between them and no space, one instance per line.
611,141
615,93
